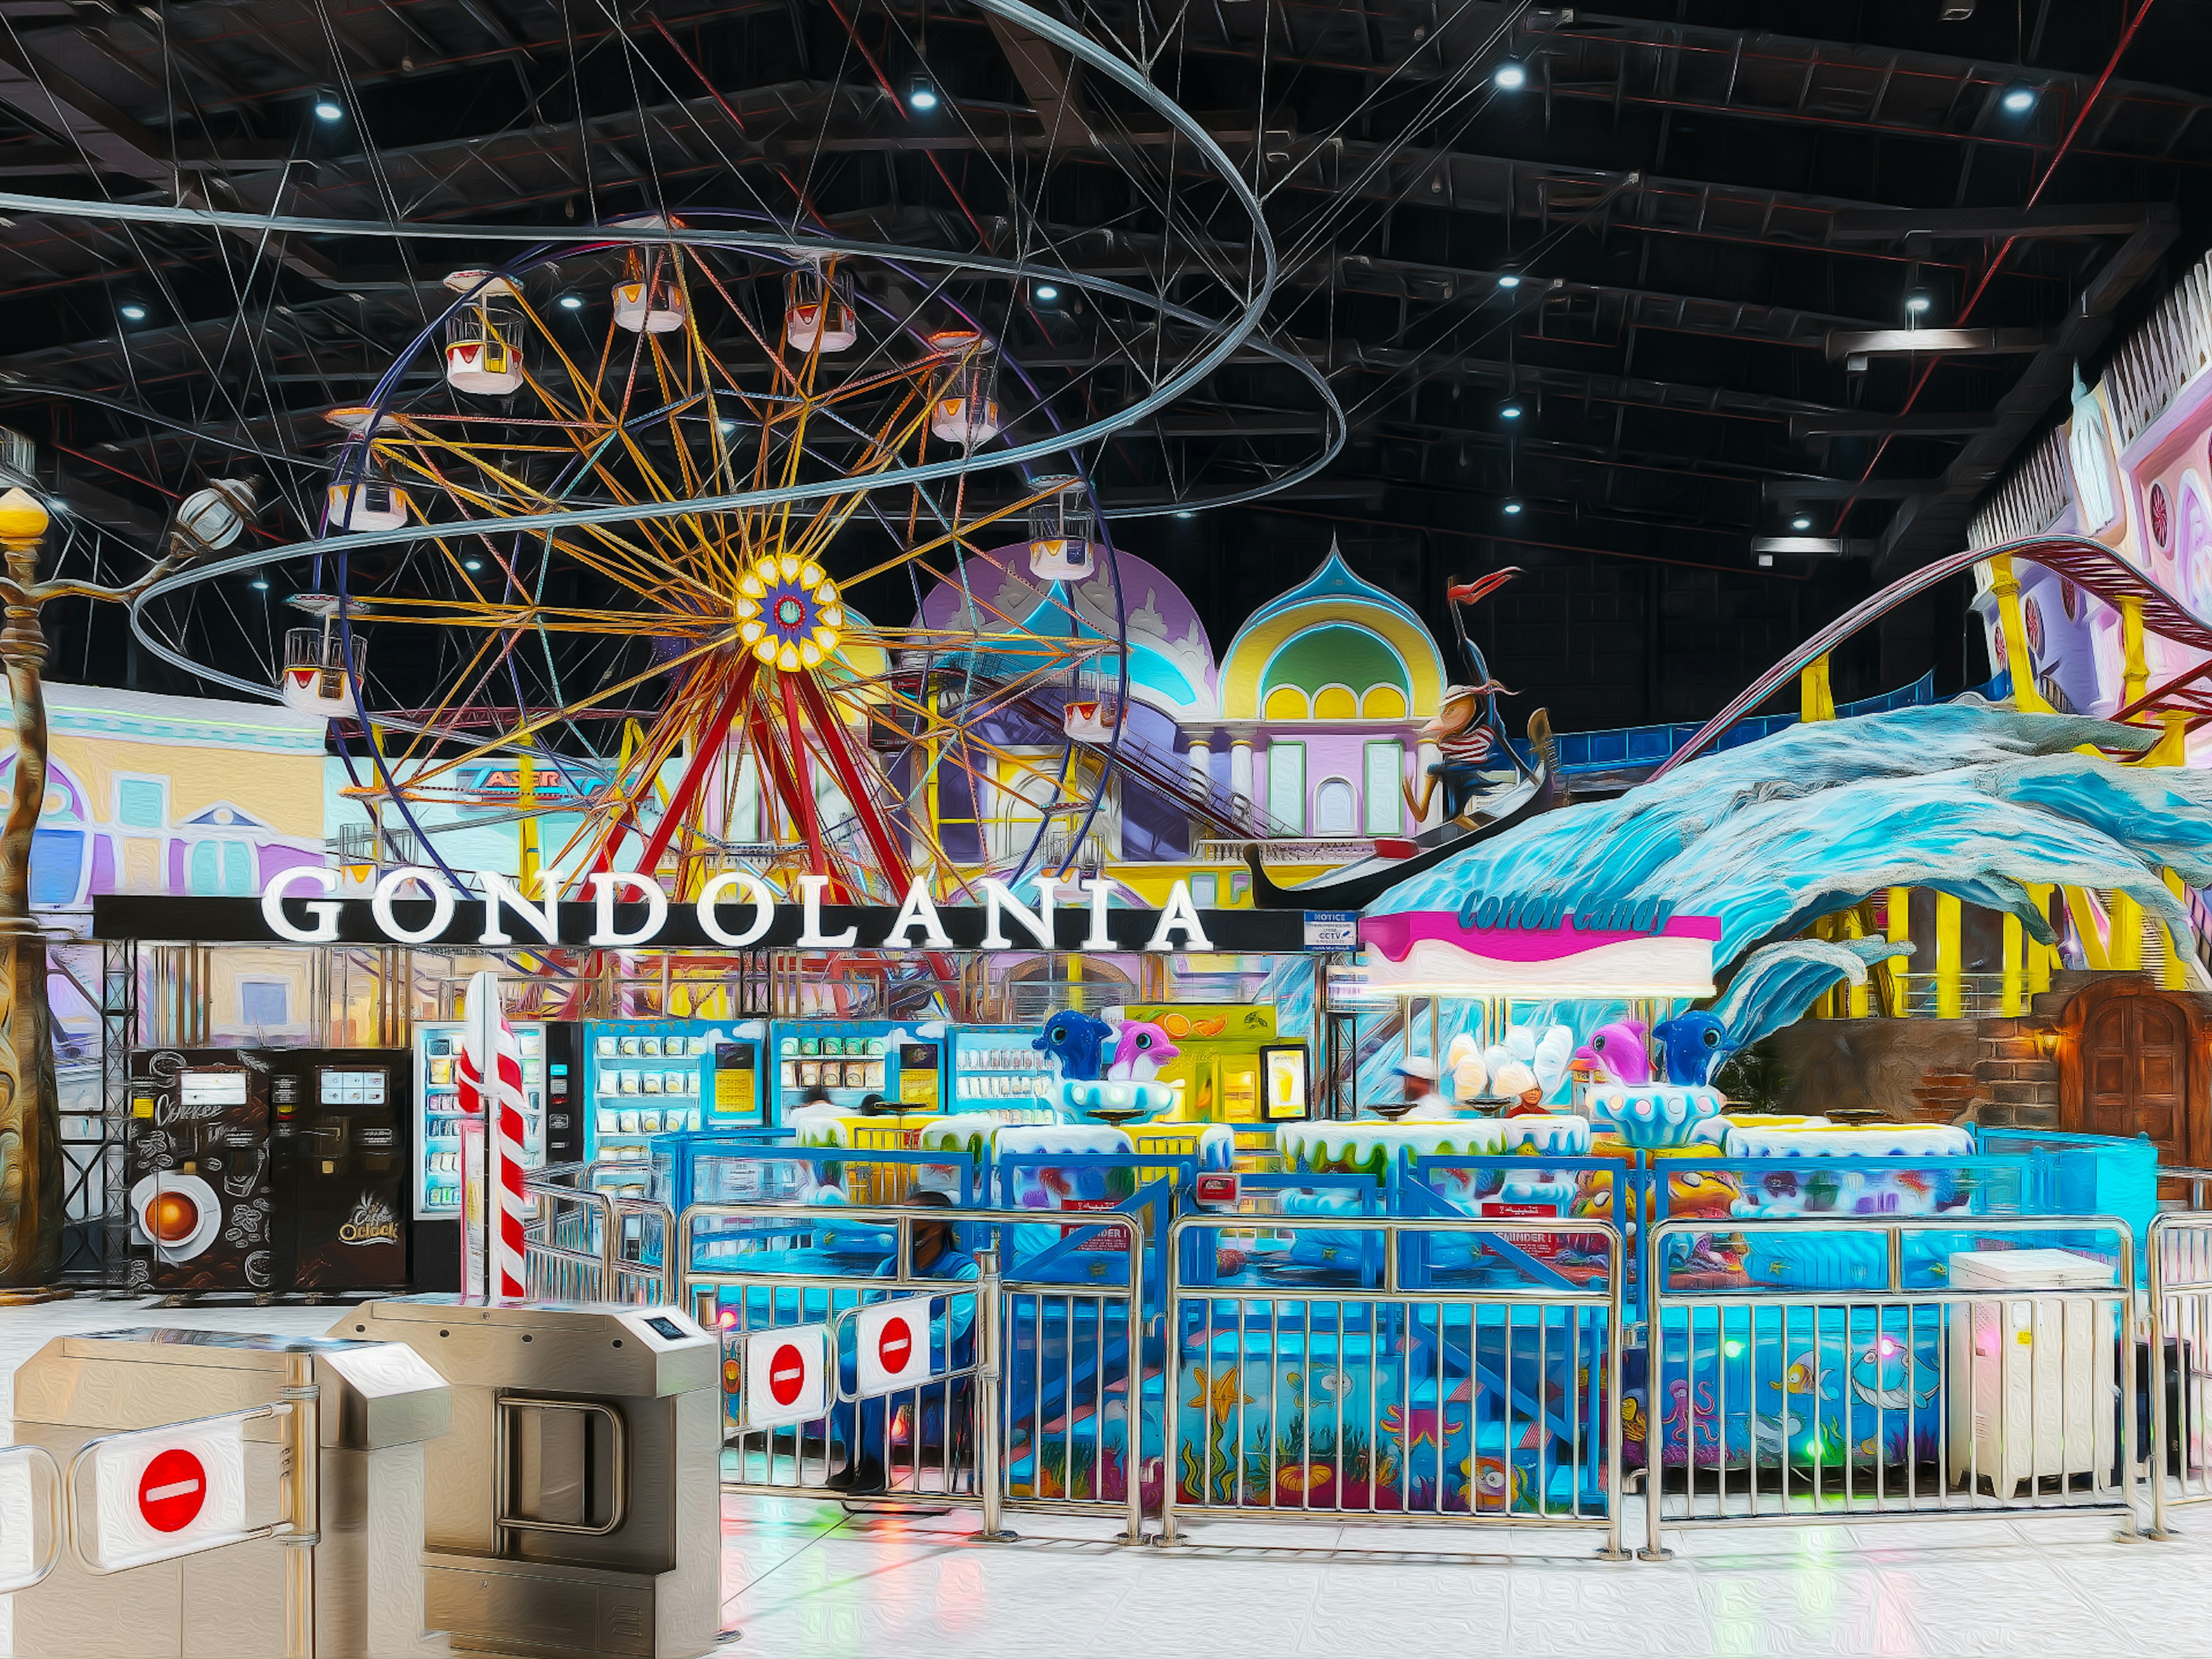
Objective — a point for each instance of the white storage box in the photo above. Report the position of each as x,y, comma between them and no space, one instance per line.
2031,1387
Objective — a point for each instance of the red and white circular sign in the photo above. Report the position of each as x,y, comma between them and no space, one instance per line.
173,1490
786,1374
895,1343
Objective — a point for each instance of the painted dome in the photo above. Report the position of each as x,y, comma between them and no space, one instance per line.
1335,647
1171,661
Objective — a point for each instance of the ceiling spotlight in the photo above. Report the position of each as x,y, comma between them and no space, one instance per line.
260,584
920,94
1510,77
2018,100
327,107
471,564
1508,279
1918,302
1185,513
1509,411
572,302
1045,293
1512,504
725,428
1801,522
1766,561
133,312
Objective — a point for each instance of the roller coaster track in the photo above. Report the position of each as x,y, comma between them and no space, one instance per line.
2089,565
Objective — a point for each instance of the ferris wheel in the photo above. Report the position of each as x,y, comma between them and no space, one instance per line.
720,700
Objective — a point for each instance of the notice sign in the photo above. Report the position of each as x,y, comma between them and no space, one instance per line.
786,1374
165,1493
1332,930
892,1338
1542,1246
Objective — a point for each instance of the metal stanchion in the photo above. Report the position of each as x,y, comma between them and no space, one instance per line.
303,1491
990,1369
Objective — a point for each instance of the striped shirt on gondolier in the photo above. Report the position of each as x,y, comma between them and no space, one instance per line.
1470,747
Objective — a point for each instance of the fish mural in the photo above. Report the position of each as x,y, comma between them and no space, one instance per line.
1888,1376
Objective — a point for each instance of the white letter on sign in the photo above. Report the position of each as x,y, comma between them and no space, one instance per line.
785,1376
603,890
1179,915
893,1340
324,912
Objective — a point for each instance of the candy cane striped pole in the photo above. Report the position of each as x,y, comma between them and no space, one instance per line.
496,1091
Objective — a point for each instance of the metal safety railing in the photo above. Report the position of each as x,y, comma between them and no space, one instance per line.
2180,1249
588,1244
1412,1373
1881,1390
1037,1404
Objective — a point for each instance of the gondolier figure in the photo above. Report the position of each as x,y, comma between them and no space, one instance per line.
1465,741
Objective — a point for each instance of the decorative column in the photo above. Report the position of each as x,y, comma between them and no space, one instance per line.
1201,761
2018,664
1950,989
1240,767
2134,670
1815,702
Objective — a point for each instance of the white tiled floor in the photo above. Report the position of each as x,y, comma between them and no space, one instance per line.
806,1581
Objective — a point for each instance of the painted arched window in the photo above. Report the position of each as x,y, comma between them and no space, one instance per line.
1335,702
1285,702
2092,459
2193,547
1383,702
1335,808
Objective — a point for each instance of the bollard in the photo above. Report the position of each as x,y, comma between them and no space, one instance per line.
990,1477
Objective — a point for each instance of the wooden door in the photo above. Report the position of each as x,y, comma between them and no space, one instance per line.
2135,1072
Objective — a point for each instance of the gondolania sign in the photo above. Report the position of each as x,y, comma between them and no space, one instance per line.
735,911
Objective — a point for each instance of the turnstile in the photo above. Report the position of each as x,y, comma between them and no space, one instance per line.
193,1432
577,1508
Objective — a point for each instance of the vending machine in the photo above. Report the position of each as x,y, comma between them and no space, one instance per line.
652,1086
848,1060
997,1068
196,1159
552,1133
341,1164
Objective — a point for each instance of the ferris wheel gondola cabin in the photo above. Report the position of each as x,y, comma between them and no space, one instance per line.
965,412
1061,527
361,497
817,314
484,335
649,298
319,670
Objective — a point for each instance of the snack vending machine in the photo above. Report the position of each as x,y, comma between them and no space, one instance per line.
851,1060
651,1085
196,1161
995,1067
341,1164
551,1137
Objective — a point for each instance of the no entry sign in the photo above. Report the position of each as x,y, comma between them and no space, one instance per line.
173,1490
787,1376
169,1492
893,1343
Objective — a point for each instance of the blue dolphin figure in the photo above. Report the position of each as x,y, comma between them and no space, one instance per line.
1078,1041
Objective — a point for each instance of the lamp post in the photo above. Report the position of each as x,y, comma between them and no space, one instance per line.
30,1105
30,1116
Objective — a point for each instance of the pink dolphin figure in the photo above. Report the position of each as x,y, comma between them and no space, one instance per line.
1139,1049
1617,1052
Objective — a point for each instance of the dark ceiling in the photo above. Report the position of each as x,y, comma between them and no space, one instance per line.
1718,216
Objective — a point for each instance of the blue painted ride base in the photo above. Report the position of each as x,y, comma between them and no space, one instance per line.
1808,1388
1357,1405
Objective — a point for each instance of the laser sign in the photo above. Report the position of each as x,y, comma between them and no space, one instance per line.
891,1343
786,1376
